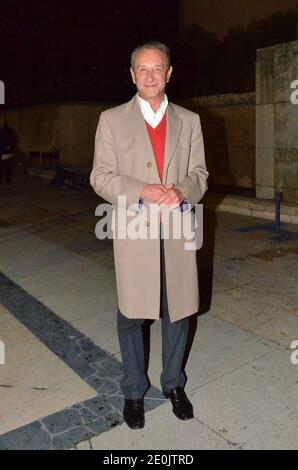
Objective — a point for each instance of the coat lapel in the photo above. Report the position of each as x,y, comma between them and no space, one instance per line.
141,136
142,139
174,124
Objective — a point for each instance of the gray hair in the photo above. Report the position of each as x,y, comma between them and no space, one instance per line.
163,48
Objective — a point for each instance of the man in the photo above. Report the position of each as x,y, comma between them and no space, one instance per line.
150,152
7,144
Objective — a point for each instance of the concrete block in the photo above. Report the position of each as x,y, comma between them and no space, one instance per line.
265,126
264,167
234,209
286,168
286,126
265,76
291,195
285,71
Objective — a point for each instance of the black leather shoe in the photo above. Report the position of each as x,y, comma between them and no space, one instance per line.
133,413
182,408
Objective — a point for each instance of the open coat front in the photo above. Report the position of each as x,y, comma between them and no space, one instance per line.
124,163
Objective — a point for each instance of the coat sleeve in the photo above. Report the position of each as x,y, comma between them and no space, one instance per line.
105,178
194,184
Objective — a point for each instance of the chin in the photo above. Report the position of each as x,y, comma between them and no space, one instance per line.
151,95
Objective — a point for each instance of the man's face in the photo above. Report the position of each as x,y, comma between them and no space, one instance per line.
150,74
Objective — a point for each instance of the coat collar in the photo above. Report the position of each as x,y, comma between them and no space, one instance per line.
140,133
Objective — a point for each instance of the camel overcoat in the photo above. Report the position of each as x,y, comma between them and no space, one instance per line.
124,163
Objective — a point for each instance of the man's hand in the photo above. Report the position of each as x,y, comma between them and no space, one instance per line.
165,195
172,198
153,192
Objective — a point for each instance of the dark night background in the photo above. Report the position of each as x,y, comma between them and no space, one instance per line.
63,50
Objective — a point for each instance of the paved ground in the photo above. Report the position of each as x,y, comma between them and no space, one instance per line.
59,387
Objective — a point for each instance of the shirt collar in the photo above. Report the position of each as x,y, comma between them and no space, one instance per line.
152,117
146,105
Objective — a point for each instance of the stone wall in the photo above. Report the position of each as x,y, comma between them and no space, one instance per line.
67,129
277,121
228,123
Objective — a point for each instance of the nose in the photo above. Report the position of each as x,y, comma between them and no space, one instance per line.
150,76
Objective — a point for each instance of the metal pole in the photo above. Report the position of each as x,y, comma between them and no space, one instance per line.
277,211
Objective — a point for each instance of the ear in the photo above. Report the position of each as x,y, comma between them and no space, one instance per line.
133,75
169,73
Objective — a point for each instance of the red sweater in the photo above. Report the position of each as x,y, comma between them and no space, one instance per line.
158,139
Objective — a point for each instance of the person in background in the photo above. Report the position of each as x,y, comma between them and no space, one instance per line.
7,147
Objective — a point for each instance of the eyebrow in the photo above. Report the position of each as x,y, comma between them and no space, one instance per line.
146,65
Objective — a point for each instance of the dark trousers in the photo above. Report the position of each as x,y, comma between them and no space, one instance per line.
174,336
6,169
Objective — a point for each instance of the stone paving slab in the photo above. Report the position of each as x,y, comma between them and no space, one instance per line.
283,329
98,369
240,379
167,433
250,308
101,328
219,348
281,436
246,403
33,381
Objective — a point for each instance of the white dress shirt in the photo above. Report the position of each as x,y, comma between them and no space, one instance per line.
149,115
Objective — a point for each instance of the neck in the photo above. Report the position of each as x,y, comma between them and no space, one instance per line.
155,102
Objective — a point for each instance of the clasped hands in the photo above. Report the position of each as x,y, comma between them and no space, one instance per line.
164,195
